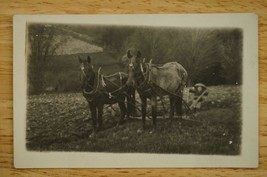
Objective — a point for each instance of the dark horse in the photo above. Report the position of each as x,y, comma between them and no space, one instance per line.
152,81
99,90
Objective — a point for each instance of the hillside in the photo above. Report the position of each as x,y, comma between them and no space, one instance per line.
62,72
73,45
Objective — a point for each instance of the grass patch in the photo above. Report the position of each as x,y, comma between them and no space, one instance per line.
60,122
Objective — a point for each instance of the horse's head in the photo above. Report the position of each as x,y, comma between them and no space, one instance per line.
134,58
87,71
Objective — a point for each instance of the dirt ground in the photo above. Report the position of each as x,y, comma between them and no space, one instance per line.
61,122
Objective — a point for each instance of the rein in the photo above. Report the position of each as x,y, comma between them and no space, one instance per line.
95,85
115,92
176,95
96,89
145,85
148,85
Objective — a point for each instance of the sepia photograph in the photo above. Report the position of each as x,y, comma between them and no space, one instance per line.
141,90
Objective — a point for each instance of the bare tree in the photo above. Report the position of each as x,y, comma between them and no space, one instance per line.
43,41
209,55
231,51
152,42
196,50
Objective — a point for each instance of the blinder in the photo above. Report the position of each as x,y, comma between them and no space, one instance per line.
85,79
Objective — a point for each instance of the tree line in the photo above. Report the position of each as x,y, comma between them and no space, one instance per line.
210,55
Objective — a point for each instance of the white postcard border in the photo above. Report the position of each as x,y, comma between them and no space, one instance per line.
249,152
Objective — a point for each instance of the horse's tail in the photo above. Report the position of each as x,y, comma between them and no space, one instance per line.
182,74
184,77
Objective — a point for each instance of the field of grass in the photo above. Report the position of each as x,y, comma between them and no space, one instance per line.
61,122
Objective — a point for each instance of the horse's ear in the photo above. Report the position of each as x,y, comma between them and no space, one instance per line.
80,60
88,59
138,54
129,55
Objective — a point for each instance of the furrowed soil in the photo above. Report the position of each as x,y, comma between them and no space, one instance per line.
62,122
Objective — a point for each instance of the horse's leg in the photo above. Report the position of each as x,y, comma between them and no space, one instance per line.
154,110
179,104
128,98
93,113
99,116
143,99
133,110
128,108
131,102
123,109
172,105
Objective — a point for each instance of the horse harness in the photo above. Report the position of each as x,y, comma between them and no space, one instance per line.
148,86
115,92
100,87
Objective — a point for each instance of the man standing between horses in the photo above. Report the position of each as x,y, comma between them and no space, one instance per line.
124,68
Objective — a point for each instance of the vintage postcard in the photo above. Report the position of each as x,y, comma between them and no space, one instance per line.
136,91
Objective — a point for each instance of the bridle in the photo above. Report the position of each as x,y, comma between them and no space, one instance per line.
145,74
87,80
131,66
82,69
99,86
